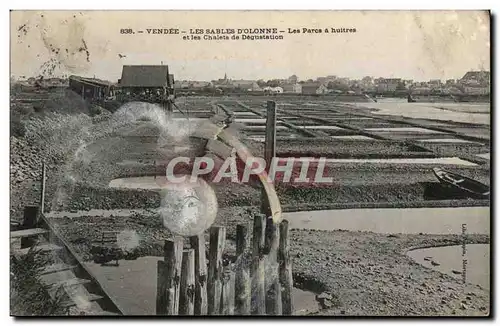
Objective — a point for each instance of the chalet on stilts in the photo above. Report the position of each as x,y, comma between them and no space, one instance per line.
147,83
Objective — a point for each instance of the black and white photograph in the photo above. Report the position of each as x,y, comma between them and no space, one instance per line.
250,163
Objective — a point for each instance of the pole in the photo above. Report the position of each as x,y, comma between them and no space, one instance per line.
243,282
173,264
200,303
42,195
215,269
269,150
187,290
258,266
285,269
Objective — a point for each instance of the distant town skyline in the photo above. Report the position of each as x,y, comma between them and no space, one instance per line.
419,45
270,79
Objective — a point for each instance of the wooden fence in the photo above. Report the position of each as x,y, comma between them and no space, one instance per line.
256,281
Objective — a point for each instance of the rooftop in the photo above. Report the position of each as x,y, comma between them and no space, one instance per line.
145,76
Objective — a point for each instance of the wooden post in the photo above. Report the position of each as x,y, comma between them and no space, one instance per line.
42,194
171,271
186,300
200,301
161,288
286,277
243,285
273,296
270,145
30,220
271,231
170,88
269,150
227,304
215,269
258,266
275,306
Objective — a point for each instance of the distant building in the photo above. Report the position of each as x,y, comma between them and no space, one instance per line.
90,87
314,88
200,84
435,84
246,85
388,84
420,90
407,83
187,84
292,88
475,83
221,82
273,90
322,89
476,78
183,84
476,90
310,88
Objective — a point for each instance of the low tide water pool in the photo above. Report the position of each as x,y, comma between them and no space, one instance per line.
133,286
468,262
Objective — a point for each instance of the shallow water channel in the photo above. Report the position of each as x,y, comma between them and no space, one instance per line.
469,263
447,220
133,285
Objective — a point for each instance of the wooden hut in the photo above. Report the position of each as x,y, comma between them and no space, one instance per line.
147,82
90,88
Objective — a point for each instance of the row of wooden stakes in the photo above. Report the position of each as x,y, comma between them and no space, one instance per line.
258,282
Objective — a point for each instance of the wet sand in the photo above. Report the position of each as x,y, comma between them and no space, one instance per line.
450,260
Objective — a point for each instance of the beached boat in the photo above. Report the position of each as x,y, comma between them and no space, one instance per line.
459,182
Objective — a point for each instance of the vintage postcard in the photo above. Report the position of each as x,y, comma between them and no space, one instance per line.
293,163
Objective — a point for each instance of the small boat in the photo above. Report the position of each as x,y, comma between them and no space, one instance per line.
469,186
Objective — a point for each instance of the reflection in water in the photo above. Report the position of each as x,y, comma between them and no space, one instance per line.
133,285
433,110
396,220
450,260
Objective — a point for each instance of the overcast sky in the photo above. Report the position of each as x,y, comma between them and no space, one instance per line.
419,45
